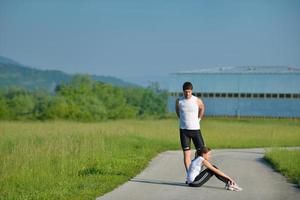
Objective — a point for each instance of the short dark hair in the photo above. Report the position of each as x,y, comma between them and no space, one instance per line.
202,151
187,86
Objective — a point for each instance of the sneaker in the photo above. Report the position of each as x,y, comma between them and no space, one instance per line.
233,187
227,186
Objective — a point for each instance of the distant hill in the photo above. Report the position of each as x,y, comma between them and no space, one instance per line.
14,74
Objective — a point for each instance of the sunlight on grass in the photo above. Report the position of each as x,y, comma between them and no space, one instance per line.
71,160
287,162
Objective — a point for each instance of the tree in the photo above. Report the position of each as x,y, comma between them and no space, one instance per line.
4,110
21,106
83,99
58,107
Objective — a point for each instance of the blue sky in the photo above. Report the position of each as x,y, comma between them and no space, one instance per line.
138,39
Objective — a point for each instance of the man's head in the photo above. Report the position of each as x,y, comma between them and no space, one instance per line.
187,90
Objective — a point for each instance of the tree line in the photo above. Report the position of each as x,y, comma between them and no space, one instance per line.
83,99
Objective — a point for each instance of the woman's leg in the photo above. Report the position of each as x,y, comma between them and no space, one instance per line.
202,178
205,175
221,178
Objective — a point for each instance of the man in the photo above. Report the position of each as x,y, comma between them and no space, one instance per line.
190,110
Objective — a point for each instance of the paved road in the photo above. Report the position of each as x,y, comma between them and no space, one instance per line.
164,179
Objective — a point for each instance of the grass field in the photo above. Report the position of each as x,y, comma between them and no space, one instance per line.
71,160
287,162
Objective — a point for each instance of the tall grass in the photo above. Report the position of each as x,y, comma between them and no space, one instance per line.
249,133
70,160
287,162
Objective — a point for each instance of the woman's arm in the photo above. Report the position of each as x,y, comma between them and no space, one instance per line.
207,164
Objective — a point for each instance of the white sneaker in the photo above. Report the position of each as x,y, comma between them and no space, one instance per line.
233,187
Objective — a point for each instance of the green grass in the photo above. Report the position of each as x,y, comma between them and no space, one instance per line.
71,160
250,133
287,162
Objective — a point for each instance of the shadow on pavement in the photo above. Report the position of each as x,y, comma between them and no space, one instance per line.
161,182
172,183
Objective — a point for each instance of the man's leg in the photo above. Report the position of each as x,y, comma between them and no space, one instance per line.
187,159
201,138
197,139
185,141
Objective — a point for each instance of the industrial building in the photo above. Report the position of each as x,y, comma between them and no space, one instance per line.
242,91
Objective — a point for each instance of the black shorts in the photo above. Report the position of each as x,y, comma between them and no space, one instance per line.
187,135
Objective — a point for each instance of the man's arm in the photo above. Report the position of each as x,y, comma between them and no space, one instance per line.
201,108
177,108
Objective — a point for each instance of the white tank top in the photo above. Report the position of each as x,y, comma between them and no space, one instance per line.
194,169
188,110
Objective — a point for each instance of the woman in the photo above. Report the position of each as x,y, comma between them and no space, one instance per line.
196,177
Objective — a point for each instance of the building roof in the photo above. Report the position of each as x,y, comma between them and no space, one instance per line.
244,70
239,80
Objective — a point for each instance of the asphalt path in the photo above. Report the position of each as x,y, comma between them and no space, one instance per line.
165,176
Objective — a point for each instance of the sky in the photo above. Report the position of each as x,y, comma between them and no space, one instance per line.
139,40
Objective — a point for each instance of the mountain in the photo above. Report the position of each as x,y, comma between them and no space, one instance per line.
14,74
4,60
